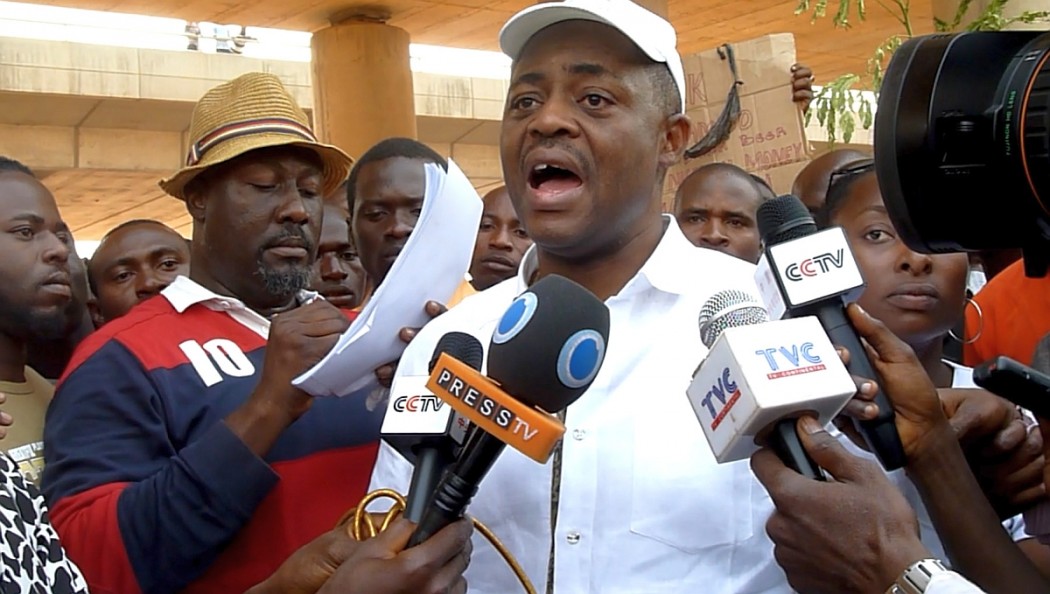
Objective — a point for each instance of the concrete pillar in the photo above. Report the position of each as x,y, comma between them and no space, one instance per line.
362,84
945,10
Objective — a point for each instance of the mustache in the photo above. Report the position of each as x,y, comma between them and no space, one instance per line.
561,145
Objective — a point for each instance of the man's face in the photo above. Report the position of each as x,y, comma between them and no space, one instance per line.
36,287
388,200
261,216
337,273
502,241
717,211
135,263
583,140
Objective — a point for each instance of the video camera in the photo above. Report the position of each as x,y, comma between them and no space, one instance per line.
962,143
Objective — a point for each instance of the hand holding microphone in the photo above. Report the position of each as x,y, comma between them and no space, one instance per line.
935,464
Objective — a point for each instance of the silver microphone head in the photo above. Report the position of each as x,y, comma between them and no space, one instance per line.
729,309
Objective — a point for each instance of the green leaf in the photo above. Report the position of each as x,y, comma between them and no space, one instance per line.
1030,16
848,125
960,14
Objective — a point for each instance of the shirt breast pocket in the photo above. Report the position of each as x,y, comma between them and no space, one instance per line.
681,496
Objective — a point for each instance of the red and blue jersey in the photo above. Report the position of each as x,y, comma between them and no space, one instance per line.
149,489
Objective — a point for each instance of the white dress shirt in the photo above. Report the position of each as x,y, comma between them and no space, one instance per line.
643,506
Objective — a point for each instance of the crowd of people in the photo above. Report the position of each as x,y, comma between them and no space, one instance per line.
154,441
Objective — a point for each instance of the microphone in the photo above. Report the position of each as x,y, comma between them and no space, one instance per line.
545,352
759,376
422,428
804,272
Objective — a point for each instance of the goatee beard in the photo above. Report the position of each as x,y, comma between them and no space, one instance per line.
284,283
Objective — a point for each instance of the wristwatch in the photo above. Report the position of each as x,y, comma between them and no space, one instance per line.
917,577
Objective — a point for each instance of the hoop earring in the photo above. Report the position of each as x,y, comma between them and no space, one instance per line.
980,324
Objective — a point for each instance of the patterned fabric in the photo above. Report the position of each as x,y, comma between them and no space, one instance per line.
32,560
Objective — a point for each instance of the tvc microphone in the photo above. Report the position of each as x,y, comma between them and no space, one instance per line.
545,352
804,272
759,376
423,428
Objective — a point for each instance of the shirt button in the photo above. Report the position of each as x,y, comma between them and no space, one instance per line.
578,434
572,537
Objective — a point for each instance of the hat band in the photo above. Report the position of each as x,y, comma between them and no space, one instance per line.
246,128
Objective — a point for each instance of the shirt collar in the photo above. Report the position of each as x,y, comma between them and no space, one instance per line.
661,271
184,293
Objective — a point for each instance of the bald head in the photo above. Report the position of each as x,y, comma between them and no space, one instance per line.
716,208
811,185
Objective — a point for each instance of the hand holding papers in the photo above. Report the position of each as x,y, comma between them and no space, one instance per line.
430,268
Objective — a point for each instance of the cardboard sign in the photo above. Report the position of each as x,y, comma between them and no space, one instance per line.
769,139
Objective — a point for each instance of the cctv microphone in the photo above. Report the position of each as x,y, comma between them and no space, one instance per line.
804,272
425,430
759,376
545,352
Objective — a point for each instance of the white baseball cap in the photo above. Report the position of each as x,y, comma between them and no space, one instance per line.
651,33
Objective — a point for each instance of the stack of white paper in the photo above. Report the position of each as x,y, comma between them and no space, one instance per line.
431,267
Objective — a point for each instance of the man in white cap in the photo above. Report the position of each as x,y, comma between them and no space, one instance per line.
183,459
634,501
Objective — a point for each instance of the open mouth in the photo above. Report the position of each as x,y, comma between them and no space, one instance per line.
547,178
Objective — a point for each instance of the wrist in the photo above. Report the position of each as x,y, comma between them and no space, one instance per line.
899,558
929,452
282,404
263,417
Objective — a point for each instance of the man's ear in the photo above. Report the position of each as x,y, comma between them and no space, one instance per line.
677,130
96,314
196,203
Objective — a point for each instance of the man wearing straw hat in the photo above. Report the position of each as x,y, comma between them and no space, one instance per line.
182,459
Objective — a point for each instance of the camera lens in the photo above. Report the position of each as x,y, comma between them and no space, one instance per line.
962,143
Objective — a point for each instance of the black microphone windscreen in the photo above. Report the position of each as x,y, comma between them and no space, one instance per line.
461,346
550,343
783,219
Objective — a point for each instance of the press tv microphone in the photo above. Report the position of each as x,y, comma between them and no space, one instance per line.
804,272
759,376
424,429
545,352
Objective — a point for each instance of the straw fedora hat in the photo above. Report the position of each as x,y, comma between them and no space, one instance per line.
250,112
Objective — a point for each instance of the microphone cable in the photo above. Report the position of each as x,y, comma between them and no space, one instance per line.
361,526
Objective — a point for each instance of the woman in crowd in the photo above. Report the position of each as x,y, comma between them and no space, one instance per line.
920,298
